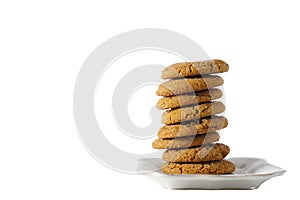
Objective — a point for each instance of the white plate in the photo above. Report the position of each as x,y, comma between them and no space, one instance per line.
250,174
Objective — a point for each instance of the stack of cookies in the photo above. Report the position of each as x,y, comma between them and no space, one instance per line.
191,121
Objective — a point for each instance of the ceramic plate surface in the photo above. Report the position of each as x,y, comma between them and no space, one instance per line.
250,174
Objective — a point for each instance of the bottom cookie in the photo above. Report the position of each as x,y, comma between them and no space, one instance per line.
215,167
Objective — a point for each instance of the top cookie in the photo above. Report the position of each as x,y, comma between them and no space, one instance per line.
194,68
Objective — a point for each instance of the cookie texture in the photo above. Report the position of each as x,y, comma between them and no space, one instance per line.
205,153
198,127
188,85
194,68
192,113
186,141
189,99
215,167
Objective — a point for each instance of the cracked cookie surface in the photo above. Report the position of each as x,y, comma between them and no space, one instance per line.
215,167
183,142
197,127
189,99
205,153
194,68
188,85
192,112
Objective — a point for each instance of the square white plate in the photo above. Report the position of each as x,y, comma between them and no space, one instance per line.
250,174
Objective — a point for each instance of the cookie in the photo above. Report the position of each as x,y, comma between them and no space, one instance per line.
214,167
205,153
194,68
182,142
188,85
198,127
192,113
189,99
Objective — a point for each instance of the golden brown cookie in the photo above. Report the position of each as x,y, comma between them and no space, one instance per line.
198,127
194,68
205,153
192,113
189,99
214,167
182,142
188,85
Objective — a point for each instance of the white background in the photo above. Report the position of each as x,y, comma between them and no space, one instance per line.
43,45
